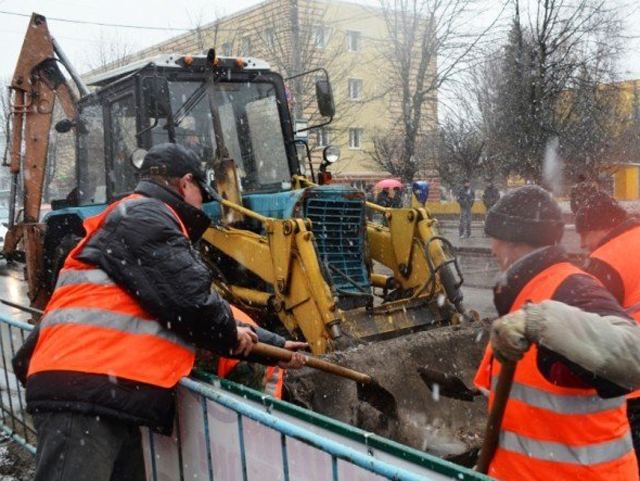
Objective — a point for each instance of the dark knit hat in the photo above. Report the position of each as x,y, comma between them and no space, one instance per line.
599,212
528,215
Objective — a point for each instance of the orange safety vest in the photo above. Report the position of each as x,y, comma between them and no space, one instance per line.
616,253
551,432
94,326
274,376
620,253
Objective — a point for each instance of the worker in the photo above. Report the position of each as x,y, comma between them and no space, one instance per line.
131,303
269,379
566,415
612,237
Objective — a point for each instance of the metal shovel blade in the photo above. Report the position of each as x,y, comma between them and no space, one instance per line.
449,385
380,398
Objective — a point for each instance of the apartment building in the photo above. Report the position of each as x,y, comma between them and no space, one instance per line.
349,40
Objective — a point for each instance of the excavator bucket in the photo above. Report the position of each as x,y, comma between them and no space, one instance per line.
426,420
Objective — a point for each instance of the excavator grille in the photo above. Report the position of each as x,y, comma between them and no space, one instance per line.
337,216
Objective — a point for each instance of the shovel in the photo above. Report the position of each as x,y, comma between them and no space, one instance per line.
369,390
448,384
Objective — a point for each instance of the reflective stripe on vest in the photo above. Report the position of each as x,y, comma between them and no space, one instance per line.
92,325
554,432
586,404
551,451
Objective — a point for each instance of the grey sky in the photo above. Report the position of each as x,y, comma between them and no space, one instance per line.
80,42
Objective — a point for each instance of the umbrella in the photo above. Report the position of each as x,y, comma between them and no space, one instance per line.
388,184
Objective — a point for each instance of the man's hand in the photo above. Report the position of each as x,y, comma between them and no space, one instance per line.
246,339
508,338
298,359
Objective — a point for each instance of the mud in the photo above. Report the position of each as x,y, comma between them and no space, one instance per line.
444,427
16,464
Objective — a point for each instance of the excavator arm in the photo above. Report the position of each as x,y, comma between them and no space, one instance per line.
36,84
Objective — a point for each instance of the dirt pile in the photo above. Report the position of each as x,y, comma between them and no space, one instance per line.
441,426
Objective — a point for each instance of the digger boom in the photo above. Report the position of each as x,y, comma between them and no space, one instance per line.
37,83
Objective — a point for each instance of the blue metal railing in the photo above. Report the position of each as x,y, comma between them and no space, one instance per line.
218,424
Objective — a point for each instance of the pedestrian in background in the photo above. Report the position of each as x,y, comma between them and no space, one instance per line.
420,193
581,191
396,200
369,196
383,198
565,418
490,196
465,197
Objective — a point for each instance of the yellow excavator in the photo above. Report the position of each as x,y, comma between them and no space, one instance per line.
292,249
289,250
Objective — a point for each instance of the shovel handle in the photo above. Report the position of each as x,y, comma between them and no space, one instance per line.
282,354
492,432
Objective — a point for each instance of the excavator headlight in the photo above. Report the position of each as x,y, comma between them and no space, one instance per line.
137,157
331,154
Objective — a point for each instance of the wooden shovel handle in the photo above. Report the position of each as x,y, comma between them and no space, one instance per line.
492,431
282,354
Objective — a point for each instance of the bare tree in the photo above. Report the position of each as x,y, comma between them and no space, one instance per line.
460,152
294,37
547,83
421,34
111,51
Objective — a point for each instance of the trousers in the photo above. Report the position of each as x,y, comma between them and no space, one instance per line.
465,222
80,447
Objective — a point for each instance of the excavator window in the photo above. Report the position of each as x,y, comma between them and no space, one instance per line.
122,119
92,185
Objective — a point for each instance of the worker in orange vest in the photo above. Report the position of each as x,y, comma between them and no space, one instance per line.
132,302
269,379
565,418
612,238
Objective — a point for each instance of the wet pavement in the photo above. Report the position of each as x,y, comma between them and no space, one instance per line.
479,241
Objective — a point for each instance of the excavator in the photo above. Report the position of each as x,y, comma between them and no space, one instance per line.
286,245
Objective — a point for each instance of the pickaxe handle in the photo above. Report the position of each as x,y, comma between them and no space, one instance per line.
282,354
492,431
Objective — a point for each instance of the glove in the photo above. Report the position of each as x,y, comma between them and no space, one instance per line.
508,339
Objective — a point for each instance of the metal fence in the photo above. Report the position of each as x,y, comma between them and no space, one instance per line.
15,421
227,432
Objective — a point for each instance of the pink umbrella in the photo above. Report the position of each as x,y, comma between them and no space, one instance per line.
388,184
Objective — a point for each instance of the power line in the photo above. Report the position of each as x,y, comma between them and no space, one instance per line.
101,24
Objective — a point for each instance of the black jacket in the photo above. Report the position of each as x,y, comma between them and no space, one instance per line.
141,247
578,290
465,198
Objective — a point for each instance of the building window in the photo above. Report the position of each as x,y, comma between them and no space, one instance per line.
355,138
320,37
227,51
323,137
245,47
353,41
355,89
270,38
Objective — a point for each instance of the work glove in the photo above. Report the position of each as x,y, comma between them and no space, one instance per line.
508,339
